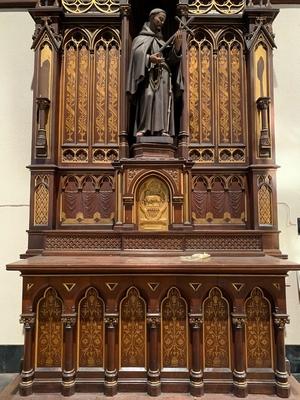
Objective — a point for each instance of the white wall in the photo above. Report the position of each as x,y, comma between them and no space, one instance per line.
16,70
287,126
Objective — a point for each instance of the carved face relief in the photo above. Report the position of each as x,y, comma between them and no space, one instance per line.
157,21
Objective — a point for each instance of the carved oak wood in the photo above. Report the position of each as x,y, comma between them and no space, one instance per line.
108,303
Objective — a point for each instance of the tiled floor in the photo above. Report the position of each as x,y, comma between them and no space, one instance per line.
9,393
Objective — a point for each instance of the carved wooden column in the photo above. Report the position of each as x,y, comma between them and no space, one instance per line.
111,374
119,195
153,383
27,373
281,375
125,12
182,10
240,388
68,375
41,138
196,372
263,104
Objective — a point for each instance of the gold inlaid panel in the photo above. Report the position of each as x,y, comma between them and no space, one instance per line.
216,93
82,6
45,73
261,71
223,91
174,331
258,331
41,200
70,93
107,71
200,90
91,330
49,331
216,330
153,205
265,206
221,6
133,330
90,96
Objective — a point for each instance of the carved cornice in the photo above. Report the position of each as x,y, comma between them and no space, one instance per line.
27,4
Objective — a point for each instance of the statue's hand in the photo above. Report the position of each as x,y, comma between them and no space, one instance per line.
178,41
156,58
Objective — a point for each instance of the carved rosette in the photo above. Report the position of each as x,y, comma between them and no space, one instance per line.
196,320
69,320
238,321
28,320
280,320
111,320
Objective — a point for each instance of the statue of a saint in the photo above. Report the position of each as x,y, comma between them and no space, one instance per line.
154,76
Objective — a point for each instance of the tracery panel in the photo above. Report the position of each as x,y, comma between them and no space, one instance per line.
258,331
217,97
91,330
41,200
231,94
90,96
219,199
76,90
216,330
87,199
49,331
200,88
106,103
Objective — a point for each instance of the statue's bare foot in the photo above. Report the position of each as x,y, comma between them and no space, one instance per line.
164,133
141,133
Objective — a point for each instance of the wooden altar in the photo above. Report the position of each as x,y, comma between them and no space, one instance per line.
115,297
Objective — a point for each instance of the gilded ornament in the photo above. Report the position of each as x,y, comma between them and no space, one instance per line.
258,330
91,330
220,6
133,330
82,6
174,330
49,330
216,330
153,205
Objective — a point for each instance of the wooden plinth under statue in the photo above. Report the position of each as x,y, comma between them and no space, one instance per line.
136,173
